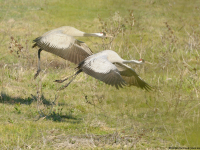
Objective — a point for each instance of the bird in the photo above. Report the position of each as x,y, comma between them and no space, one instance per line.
61,42
109,67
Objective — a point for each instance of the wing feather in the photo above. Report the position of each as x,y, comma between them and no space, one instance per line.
131,77
64,46
101,69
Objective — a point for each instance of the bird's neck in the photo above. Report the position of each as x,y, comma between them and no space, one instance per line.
92,34
132,62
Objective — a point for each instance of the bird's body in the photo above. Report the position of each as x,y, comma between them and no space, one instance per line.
109,67
62,43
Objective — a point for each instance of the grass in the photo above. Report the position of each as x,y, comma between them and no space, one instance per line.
89,114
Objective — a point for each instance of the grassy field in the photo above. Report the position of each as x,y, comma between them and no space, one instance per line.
89,114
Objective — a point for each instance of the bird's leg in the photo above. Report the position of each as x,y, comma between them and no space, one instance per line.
68,83
61,81
74,76
38,70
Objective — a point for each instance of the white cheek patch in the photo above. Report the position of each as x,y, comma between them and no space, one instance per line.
99,34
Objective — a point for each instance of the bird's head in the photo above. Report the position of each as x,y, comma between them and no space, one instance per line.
141,60
104,35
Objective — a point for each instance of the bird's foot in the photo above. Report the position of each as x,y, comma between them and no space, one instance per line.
59,81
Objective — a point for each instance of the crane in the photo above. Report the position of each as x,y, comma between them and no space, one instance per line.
109,67
61,42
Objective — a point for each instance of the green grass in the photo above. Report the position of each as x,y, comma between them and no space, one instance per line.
89,114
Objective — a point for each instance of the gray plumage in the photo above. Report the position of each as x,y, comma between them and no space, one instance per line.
109,67
62,43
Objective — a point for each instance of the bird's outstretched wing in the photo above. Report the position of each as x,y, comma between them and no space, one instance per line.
65,46
85,47
131,77
101,69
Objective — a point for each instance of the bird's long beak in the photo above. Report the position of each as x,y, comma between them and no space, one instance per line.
146,62
110,36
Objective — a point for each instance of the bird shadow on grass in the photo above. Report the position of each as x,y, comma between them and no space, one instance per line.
46,108
64,118
61,117
7,99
